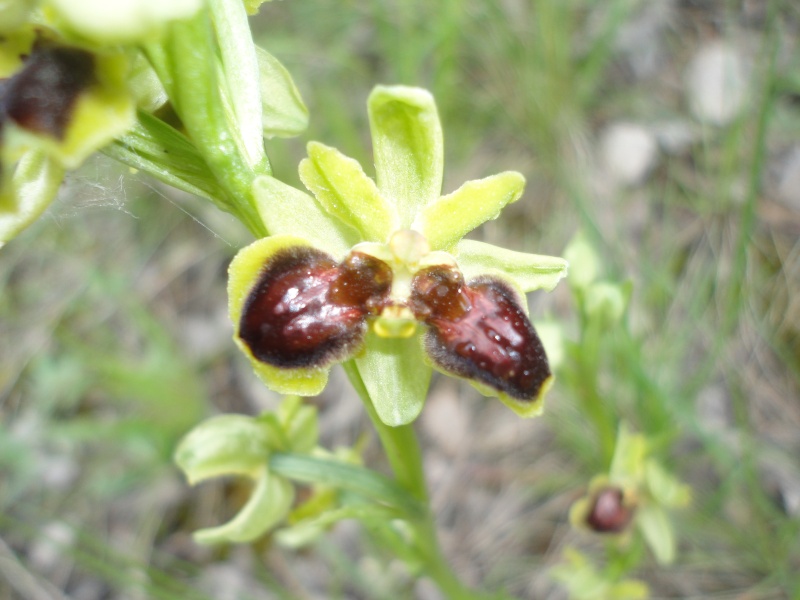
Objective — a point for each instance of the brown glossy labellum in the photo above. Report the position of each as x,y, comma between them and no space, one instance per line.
306,310
609,513
41,96
479,331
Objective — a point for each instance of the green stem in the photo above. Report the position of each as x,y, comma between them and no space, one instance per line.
404,454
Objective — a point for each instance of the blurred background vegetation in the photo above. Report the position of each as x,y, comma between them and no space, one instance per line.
114,338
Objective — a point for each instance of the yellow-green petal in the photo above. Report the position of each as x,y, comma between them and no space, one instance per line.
345,191
529,272
243,274
408,148
449,218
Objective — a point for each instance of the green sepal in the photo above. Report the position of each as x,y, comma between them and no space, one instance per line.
449,218
287,210
407,147
283,113
664,488
243,274
345,191
269,503
122,21
26,192
630,456
396,375
529,272
224,445
655,527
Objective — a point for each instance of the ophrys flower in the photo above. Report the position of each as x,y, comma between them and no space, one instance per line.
378,271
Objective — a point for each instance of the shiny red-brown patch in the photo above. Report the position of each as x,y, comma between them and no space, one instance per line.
608,513
479,331
306,310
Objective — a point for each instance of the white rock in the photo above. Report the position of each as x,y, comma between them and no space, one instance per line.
629,152
716,84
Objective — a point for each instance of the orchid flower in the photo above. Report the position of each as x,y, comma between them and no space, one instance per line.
377,271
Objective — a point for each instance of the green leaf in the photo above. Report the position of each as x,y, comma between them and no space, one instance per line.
449,218
408,148
243,274
224,445
344,190
269,503
529,272
654,524
164,153
287,210
344,476
396,376
26,192
283,113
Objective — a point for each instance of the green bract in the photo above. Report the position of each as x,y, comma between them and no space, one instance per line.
401,219
239,445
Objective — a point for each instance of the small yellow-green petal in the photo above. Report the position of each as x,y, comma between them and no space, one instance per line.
26,192
268,505
288,211
408,148
449,218
396,375
243,274
223,445
529,272
345,191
